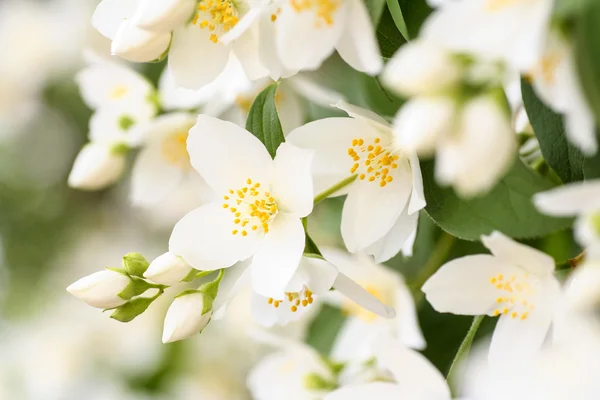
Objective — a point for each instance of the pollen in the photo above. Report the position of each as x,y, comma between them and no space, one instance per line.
324,10
372,161
251,207
174,150
218,16
521,295
293,300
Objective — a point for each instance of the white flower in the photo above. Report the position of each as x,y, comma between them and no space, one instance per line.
381,211
163,15
167,269
415,378
421,68
101,289
186,317
112,19
556,81
97,166
163,164
581,290
509,31
581,199
362,330
516,283
104,83
262,203
114,124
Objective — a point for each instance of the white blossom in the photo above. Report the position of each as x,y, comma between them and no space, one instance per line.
101,289
167,269
186,317
97,166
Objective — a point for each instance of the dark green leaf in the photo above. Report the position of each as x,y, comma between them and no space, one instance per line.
415,12
375,8
507,207
560,155
591,167
396,12
587,54
388,36
128,311
324,329
263,121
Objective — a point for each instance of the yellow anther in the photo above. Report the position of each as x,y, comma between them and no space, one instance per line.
304,303
310,300
514,314
225,205
276,303
236,221
499,300
377,140
249,181
234,232
270,301
294,308
524,316
505,311
500,277
371,178
244,233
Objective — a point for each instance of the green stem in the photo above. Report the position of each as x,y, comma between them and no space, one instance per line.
328,192
571,263
465,347
438,256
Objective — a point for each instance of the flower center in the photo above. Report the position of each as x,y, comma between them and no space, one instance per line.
118,92
218,16
293,300
174,150
250,207
352,309
244,101
516,294
498,5
372,161
324,9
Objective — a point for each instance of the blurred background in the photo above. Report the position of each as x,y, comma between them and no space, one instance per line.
54,347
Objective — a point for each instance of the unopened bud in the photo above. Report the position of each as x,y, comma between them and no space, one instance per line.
164,15
96,167
138,45
187,316
168,269
101,289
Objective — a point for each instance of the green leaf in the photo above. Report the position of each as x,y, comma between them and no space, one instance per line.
263,121
570,8
507,207
128,311
135,264
375,9
415,12
398,18
136,287
388,36
561,156
587,54
310,247
591,167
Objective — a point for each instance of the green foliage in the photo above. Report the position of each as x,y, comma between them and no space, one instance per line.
398,18
375,8
507,207
136,287
388,37
587,54
263,121
135,264
549,129
128,311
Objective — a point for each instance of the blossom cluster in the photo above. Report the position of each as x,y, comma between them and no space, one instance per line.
224,137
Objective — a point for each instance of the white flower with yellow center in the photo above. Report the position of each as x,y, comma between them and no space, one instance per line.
381,211
262,202
515,283
163,164
363,329
512,31
580,199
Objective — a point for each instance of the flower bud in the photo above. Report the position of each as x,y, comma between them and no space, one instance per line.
188,315
135,264
97,166
139,45
164,15
421,68
168,269
101,289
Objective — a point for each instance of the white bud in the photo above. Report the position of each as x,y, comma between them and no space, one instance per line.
101,289
138,45
164,15
421,68
167,269
97,166
421,121
185,317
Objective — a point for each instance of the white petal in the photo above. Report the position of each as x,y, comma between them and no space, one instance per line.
226,155
515,339
194,60
96,167
290,108
509,251
303,40
247,51
331,138
101,289
116,123
416,376
569,200
111,13
358,44
173,97
364,114
375,390
417,197
235,279
409,331
316,274
204,239
292,182
167,269
463,287
184,318
268,49
163,16
360,296
313,91
370,211
263,312
279,255
394,240
138,45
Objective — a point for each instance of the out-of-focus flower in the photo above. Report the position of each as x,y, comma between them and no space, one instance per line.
581,199
388,179
101,289
362,330
97,166
167,269
515,283
263,201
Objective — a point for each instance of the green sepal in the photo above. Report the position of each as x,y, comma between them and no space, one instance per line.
136,287
195,274
135,264
313,381
128,311
119,149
